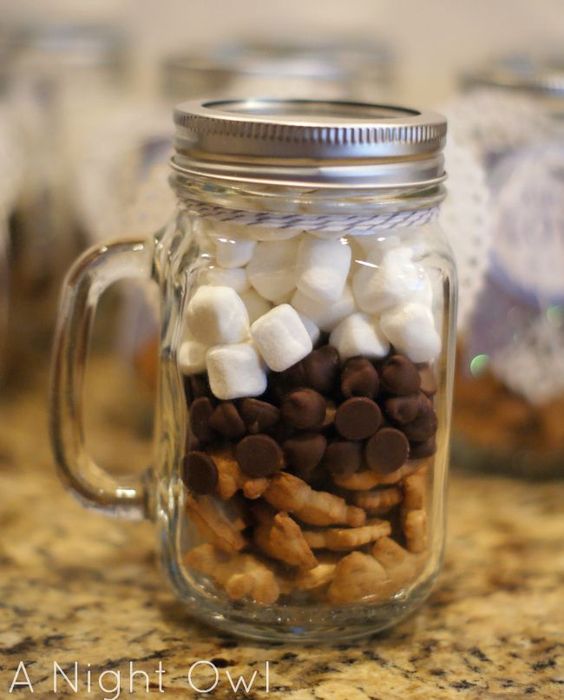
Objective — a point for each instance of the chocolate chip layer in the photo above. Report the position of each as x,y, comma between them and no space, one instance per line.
259,416
343,457
200,413
399,376
304,452
424,426
402,409
303,409
386,451
226,420
359,378
199,473
358,418
419,450
259,455
321,369
195,386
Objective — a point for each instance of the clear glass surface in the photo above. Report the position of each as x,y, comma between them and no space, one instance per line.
338,550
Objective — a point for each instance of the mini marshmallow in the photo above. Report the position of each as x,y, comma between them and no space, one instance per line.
256,305
192,357
322,267
376,245
312,329
281,337
411,330
235,371
236,278
395,280
325,316
231,252
358,334
272,270
217,316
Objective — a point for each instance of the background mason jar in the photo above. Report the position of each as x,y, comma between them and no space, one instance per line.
62,79
510,360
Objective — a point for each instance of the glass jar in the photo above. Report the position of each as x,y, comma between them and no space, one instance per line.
510,351
63,80
328,69
307,300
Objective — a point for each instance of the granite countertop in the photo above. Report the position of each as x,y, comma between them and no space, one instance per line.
78,587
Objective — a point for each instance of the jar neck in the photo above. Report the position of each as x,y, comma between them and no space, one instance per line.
277,199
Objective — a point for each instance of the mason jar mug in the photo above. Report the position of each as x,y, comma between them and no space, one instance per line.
307,304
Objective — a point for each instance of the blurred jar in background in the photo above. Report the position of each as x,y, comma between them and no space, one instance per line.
334,69
63,79
511,359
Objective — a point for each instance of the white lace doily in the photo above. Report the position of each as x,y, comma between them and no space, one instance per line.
490,121
113,166
533,364
528,227
466,217
511,320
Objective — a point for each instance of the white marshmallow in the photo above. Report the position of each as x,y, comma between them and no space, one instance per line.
281,337
358,334
256,305
235,278
394,281
377,245
235,371
411,330
192,357
272,270
325,316
217,316
312,329
322,267
231,252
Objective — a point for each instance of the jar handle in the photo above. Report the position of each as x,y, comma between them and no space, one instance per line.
85,283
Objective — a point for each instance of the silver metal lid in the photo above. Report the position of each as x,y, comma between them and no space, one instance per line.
521,73
310,143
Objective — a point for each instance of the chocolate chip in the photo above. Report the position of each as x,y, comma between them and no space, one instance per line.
428,380
195,386
321,368
226,420
259,416
425,424
358,418
387,451
418,450
343,458
304,452
400,376
282,382
199,473
200,414
303,409
259,455
359,378
402,409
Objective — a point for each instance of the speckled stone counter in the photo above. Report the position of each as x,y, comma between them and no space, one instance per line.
77,587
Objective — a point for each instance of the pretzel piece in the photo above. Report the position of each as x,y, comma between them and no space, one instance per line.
241,575
342,539
289,493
